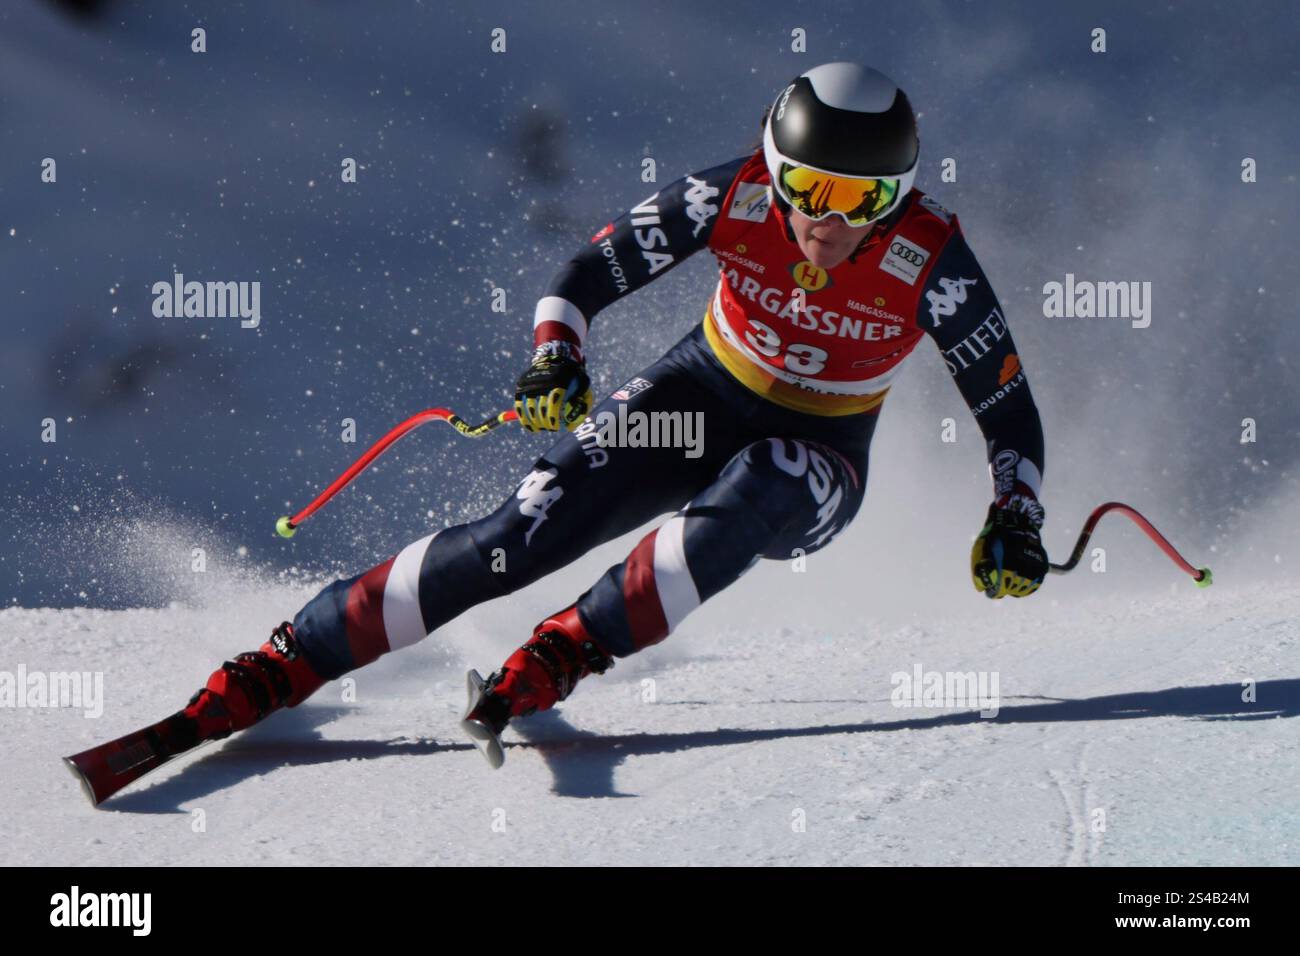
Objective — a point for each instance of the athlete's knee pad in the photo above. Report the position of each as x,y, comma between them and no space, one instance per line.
806,492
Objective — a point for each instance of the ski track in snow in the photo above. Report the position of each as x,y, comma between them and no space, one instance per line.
761,746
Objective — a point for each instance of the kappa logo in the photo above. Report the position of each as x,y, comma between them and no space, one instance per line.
536,499
750,202
698,208
944,304
904,260
634,387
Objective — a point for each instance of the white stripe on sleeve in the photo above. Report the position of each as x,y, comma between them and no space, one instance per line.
552,308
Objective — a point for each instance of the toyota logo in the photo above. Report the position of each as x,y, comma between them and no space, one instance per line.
907,254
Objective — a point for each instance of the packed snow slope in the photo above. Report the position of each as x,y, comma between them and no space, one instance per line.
762,732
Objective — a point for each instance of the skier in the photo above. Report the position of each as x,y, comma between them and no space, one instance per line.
831,268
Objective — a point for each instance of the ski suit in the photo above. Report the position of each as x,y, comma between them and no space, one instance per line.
752,432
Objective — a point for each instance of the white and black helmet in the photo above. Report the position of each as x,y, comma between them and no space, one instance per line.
846,120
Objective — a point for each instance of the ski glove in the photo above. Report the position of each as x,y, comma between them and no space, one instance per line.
554,390
1008,557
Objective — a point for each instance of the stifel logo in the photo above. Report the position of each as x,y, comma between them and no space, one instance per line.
1010,369
810,277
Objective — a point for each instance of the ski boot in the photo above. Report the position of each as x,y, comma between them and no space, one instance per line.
238,695
252,686
536,677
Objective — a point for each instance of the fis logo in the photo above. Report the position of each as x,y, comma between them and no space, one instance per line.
750,202
945,303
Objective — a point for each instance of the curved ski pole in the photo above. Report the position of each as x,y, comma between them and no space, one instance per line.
1201,576
286,526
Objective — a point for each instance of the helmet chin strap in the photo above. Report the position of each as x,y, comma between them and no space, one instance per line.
862,245
880,226
783,211
871,233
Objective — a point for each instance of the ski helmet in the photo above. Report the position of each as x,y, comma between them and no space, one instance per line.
841,140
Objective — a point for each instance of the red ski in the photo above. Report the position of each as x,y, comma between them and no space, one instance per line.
106,769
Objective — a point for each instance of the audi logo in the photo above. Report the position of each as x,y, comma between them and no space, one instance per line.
906,254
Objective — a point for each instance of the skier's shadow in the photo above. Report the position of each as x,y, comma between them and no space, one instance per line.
292,739
583,763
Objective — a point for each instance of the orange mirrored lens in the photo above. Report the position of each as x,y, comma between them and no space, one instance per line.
817,194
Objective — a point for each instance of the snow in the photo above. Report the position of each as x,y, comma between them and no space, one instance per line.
1130,706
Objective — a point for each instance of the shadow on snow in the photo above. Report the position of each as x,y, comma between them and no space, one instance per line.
583,763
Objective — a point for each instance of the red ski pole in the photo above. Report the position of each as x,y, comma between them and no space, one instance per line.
287,525
1201,576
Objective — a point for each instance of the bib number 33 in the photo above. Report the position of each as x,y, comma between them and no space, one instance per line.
799,359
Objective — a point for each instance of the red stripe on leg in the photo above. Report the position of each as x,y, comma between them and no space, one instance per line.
550,331
645,615
364,617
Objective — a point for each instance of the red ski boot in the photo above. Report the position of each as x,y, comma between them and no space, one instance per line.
537,676
253,685
239,695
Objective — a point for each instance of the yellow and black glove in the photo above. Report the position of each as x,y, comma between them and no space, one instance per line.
1008,557
554,391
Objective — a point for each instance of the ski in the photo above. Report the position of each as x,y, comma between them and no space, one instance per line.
476,727
107,768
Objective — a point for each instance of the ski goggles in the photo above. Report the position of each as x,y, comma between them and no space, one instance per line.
818,194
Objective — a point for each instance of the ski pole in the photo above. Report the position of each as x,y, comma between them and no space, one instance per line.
1201,576
287,525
